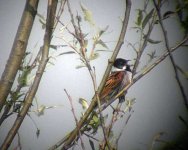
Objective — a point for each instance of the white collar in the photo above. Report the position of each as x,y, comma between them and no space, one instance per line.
114,69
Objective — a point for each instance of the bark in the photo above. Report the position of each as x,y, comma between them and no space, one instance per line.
52,5
18,50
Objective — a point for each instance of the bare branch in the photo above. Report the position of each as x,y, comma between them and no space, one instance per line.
141,48
121,133
59,12
157,7
18,50
52,4
75,118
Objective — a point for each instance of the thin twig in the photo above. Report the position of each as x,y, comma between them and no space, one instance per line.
59,12
113,120
19,146
75,118
142,48
100,111
72,20
65,26
91,137
123,128
170,55
83,55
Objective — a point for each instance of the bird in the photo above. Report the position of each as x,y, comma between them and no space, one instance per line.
120,77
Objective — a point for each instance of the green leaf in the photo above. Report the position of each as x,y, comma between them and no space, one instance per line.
103,30
85,43
16,95
152,55
129,104
185,73
103,50
65,53
84,103
80,66
40,110
22,79
91,144
16,107
94,56
183,121
95,118
79,18
94,122
105,118
147,18
42,20
139,18
87,14
55,47
153,41
43,24
100,42
168,14
38,132
41,17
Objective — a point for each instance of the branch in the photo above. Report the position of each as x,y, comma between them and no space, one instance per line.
52,4
79,36
170,55
67,141
74,114
121,133
60,12
141,49
18,50
112,122
73,22
6,111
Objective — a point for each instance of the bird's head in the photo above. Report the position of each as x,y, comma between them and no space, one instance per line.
121,63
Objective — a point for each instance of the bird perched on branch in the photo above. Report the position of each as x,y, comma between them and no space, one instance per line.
119,78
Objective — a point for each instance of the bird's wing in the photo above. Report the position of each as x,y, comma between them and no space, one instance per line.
112,85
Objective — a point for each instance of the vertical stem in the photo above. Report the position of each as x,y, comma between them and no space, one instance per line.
18,50
76,120
170,55
141,48
52,4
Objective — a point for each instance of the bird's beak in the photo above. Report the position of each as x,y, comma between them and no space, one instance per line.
128,61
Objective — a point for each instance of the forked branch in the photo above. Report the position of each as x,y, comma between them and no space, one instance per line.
69,140
158,9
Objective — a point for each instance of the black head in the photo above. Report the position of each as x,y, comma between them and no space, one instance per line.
120,63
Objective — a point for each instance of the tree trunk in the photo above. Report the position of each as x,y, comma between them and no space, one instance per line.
18,50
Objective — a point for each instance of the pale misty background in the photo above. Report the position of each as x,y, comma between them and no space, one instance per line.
158,99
